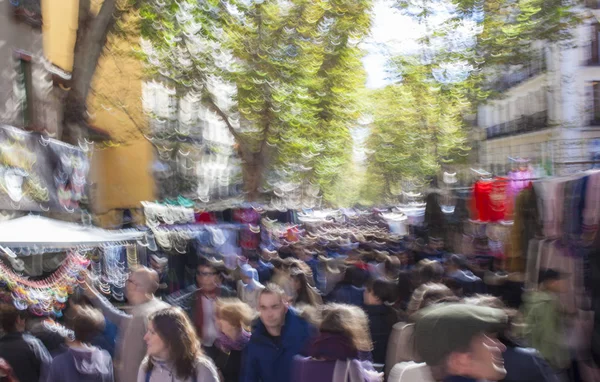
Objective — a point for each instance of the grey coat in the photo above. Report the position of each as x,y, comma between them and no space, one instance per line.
206,371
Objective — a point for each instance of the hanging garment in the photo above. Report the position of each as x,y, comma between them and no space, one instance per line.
481,201
498,200
518,181
551,193
591,211
525,227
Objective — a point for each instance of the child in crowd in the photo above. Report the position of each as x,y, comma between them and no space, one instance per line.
81,361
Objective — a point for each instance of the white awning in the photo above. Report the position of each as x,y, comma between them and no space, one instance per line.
38,231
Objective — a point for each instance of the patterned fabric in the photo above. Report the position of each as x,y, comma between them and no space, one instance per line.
226,344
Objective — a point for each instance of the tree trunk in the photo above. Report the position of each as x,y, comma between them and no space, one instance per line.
252,173
91,38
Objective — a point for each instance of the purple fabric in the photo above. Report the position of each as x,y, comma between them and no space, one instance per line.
226,344
517,183
306,369
331,347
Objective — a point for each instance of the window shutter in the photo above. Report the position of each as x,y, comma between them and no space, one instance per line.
594,43
589,103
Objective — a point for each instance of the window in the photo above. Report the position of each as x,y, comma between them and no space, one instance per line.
25,84
596,105
595,44
594,4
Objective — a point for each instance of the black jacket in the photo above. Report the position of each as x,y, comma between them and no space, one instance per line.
381,320
230,365
27,356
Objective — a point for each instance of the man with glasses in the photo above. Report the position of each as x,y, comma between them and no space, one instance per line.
199,301
131,347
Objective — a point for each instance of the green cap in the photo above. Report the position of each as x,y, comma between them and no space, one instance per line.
444,328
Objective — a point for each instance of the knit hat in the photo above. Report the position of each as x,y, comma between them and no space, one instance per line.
445,328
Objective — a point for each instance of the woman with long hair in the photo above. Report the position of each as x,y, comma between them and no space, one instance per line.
304,294
174,353
234,319
342,349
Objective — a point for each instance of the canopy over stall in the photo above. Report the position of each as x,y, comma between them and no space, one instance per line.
37,231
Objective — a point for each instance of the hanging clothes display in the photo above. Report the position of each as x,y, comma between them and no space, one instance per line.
518,180
250,233
525,227
498,199
481,210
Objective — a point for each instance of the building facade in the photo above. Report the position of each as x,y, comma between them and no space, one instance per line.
549,109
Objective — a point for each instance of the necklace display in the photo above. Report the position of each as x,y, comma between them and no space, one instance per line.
45,297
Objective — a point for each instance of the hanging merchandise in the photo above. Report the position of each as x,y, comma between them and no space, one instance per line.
250,235
38,173
45,297
519,179
114,273
157,214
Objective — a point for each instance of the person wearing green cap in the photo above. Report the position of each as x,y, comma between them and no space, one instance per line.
458,343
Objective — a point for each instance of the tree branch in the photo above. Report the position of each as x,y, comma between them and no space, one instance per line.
214,107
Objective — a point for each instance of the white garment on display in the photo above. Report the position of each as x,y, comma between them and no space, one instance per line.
209,332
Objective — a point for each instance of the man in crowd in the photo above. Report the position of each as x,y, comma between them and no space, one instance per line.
545,319
199,301
131,347
25,354
457,342
277,337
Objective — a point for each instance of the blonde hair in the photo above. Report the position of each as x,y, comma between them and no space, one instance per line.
349,320
236,312
428,294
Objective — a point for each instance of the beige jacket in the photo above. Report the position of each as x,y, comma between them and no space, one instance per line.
131,347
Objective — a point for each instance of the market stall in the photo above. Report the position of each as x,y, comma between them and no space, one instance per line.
43,260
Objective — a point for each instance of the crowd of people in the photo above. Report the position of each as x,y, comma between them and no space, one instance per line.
308,311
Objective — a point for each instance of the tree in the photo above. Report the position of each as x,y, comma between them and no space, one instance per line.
93,30
418,125
292,69
503,34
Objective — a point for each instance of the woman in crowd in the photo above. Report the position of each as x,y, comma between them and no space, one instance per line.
304,293
429,271
342,346
429,294
82,361
249,287
234,318
350,290
174,353
281,275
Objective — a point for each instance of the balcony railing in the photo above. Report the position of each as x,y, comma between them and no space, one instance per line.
525,124
530,70
593,4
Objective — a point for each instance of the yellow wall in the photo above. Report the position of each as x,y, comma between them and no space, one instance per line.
122,174
60,19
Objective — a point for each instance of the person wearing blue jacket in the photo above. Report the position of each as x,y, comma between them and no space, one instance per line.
278,336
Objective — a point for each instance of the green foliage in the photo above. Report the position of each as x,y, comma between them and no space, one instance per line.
294,67
418,125
419,121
